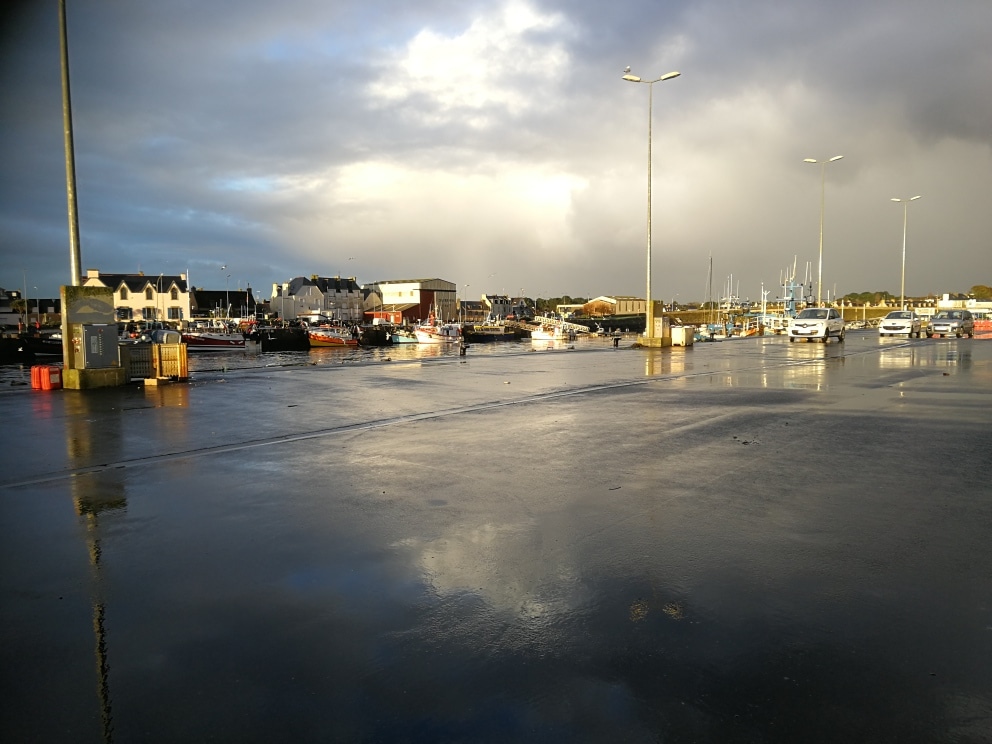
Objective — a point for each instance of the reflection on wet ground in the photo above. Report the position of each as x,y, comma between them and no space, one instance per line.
741,541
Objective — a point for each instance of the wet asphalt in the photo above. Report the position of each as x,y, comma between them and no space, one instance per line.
742,541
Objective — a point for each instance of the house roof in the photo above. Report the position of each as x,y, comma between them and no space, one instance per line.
325,284
297,282
138,282
336,284
208,299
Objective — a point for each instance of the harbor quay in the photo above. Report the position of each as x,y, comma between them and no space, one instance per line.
740,541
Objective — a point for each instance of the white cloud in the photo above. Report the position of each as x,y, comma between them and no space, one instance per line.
475,77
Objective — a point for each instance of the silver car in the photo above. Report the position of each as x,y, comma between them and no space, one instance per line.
952,322
900,322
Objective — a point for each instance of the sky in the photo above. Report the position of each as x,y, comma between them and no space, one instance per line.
495,145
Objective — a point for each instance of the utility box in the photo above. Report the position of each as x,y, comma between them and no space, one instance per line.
100,346
89,332
683,335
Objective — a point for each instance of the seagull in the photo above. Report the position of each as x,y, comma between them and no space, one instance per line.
626,70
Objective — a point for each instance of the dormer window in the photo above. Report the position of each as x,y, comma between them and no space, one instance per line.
148,293
123,293
174,294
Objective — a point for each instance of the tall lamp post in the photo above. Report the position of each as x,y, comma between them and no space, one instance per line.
227,310
459,301
905,217
649,309
823,183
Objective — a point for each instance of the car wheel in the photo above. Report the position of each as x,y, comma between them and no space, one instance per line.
957,335
791,339
929,335
971,335
841,337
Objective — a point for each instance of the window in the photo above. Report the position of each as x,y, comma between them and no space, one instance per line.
148,293
123,293
174,313
174,294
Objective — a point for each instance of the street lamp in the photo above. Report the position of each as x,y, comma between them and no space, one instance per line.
649,309
905,216
460,315
227,310
823,181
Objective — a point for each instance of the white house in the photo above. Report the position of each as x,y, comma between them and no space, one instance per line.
334,297
161,297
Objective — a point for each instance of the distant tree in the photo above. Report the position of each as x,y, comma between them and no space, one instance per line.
981,292
19,306
869,298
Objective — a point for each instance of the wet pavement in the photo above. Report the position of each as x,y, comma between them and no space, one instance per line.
744,541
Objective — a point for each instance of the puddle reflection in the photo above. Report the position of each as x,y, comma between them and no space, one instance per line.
97,498
659,362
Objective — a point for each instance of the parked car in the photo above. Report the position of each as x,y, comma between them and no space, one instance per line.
899,322
948,322
817,322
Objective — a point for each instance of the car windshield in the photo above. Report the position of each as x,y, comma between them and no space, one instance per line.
900,315
813,313
946,315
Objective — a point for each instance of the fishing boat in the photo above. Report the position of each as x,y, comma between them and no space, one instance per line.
324,336
550,336
217,336
324,332
487,332
376,334
433,332
287,338
401,335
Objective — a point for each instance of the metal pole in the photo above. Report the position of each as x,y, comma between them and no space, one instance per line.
819,273
823,181
902,283
905,216
75,260
649,309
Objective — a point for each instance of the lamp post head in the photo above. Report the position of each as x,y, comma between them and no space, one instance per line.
635,79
